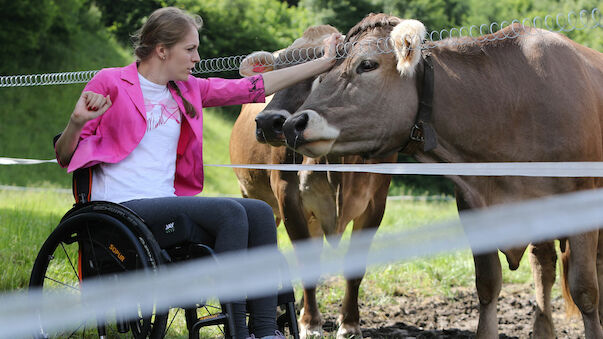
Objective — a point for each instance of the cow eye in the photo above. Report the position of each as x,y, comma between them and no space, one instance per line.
367,66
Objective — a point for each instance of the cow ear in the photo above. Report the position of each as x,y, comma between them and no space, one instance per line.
256,63
407,37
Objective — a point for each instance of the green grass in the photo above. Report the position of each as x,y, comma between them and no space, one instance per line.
27,218
217,124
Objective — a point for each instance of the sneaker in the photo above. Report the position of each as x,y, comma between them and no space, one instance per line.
277,335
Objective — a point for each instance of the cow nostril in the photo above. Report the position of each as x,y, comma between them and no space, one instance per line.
277,124
301,122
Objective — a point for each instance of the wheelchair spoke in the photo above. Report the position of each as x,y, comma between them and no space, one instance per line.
77,329
92,248
94,242
61,283
171,322
214,308
70,262
211,309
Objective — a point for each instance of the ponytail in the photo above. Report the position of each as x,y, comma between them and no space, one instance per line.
190,109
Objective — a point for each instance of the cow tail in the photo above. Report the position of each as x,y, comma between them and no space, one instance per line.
571,310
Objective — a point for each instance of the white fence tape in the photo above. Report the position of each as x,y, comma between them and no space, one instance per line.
35,189
68,191
19,161
253,273
529,169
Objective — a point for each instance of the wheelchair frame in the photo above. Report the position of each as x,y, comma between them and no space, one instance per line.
125,243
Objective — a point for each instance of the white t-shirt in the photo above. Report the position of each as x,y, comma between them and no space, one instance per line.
149,171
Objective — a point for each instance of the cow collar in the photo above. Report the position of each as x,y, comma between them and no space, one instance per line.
422,132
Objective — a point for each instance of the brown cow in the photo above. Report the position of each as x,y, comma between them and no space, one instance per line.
516,95
311,204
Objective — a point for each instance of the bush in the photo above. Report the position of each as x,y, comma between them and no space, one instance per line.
123,18
239,27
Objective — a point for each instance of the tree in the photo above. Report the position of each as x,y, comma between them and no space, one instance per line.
37,30
343,14
124,17
434,14
509,10
239,27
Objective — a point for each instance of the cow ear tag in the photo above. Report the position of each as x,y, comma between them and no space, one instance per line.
259,68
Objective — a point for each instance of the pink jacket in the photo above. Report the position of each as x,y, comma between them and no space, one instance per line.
112,136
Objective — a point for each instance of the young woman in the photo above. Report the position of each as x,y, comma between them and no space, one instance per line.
142,125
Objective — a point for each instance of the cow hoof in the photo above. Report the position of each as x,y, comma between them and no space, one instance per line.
543,327
309,331
349,331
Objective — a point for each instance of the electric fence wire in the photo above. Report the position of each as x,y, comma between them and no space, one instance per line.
560,23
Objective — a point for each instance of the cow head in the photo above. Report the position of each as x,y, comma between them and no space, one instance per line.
270,121
367,103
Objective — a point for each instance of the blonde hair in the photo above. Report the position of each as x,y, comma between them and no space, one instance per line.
166,26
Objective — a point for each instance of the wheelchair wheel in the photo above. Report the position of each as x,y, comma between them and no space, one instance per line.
98,241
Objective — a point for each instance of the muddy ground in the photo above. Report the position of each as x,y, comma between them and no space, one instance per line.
456,317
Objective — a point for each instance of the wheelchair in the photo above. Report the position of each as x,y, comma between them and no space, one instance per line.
101,240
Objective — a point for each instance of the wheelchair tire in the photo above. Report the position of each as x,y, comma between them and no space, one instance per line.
98,240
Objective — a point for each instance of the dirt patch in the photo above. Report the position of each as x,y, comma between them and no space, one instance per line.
413,316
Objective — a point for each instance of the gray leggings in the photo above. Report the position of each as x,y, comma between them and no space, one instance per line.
234,224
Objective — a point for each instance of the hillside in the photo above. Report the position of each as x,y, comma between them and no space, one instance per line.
31,116
29,135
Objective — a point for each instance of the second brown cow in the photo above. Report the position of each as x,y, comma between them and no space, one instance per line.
310,204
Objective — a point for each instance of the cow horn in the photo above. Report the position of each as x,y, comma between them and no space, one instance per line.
256,62
407,37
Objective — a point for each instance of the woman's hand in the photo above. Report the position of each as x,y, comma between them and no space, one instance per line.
89,106
282,78
330,46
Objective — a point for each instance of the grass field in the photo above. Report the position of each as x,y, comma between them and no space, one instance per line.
26,219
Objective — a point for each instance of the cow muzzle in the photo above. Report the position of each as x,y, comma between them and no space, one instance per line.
309,133
269,127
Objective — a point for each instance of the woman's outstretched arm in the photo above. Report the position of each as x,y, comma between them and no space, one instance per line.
276,80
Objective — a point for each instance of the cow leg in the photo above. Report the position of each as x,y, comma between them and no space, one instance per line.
582,276
285,188
543,259
488,281
349,319
600,274
310,319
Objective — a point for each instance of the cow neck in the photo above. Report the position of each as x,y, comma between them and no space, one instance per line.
422,132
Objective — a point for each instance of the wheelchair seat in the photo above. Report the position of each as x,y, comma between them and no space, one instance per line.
98,239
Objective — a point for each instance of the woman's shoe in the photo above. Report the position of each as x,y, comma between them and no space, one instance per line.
277,335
